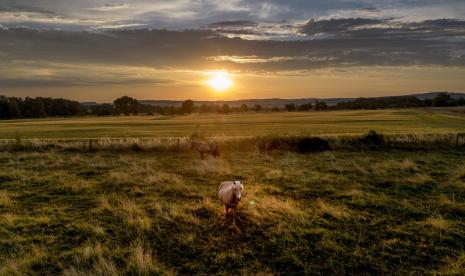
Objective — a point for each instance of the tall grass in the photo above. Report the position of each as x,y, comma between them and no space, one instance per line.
263,143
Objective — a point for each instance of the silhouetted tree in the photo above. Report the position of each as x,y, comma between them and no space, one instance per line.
290,107
102,110
460,102
443,99
204,108
258,107
9,108
321,106
244,108
33,108
225,109
126,105
187,106
306,107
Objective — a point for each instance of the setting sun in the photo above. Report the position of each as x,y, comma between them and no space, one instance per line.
220,81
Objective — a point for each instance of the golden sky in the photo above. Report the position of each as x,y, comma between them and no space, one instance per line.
324,83
100,50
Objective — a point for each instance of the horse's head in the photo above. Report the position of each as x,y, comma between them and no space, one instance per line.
238,188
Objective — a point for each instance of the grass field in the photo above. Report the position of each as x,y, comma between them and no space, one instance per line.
338,212
251,124
117,209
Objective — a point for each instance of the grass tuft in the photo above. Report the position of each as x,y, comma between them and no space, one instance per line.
5,200
335,211
210,166
438,222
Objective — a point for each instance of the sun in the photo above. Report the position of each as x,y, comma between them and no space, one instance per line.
220,81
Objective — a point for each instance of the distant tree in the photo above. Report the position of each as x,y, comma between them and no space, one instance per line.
187,106
102,110
225,109
33,108
442,100
258,107
9,108
244,108
126,105
305,107
275,109
460,102
321,106
290,107
14,108
204,108
3,107
428,102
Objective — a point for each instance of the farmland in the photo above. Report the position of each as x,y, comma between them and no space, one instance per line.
249,124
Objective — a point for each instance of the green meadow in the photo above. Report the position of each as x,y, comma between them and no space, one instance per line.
153,209
249,124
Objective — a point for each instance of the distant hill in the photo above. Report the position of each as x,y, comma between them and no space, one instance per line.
277,102
431,95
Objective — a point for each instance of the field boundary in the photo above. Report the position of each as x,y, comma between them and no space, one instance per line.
417,141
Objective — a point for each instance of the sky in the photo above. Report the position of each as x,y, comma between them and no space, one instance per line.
100,50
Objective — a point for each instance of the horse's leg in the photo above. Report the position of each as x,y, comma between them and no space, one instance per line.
234,215
201,155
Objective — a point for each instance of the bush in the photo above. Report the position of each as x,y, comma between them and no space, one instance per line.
296,144
373,138
312,144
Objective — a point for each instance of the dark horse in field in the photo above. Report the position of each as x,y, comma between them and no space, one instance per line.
206,148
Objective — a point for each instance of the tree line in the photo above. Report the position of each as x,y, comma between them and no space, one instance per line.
441,100
15,107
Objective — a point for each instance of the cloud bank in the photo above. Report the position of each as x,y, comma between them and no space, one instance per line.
96,43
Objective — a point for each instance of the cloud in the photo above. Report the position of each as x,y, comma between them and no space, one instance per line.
33,74
387,28
336,25
121,25
189,14
234,24
15,16
352,43
110,7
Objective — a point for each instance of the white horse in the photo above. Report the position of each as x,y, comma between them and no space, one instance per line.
230,194
206,148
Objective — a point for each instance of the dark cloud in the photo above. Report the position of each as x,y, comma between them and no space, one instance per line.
229,24
389,30
352,42
336,25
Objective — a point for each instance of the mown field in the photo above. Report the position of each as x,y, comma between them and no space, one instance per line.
250,124
143,207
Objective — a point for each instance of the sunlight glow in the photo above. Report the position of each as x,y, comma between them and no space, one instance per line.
220,81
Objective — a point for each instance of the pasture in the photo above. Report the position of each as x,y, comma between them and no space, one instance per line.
142,213
155,210
238,125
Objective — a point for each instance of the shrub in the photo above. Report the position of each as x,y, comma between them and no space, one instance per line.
312,144
373,138
295,144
